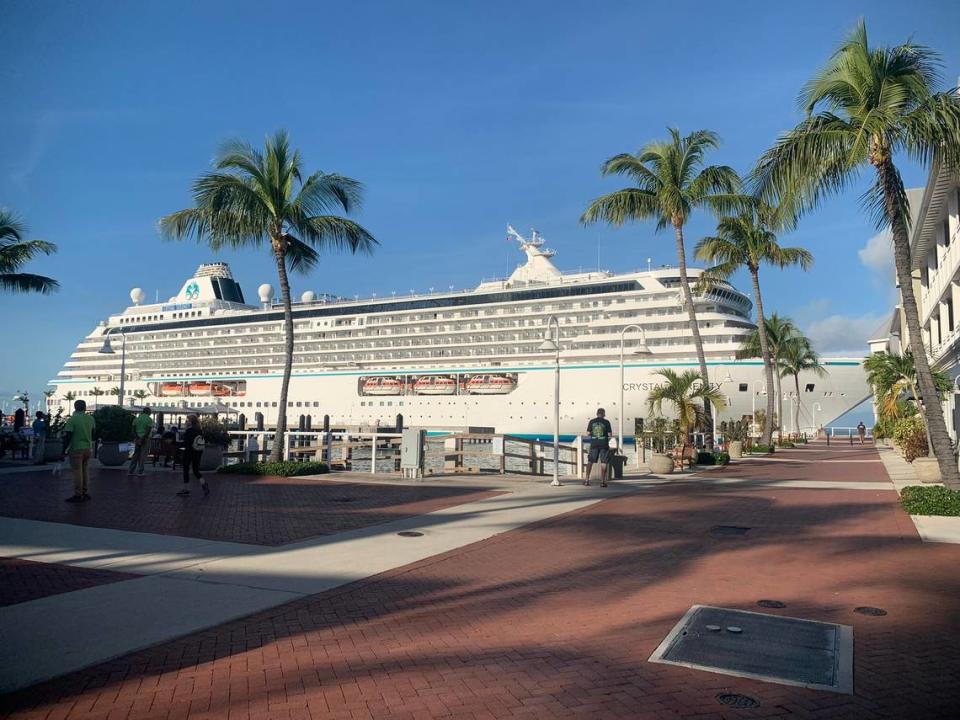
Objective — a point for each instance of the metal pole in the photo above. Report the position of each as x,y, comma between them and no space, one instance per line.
620,438
123,365
556,414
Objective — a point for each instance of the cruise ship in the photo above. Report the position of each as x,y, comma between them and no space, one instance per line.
442,360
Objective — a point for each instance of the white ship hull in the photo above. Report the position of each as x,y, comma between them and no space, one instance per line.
528,409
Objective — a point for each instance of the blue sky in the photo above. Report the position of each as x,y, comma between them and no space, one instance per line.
458,117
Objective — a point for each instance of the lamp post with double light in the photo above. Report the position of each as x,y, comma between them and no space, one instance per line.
728,378
641,349
550,344
107,349
753,403
814,409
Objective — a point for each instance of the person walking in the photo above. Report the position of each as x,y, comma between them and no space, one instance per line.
78,444
861,431
599,430
142,425
192,452
40,427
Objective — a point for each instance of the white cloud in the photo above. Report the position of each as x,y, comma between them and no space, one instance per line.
877,254
843,334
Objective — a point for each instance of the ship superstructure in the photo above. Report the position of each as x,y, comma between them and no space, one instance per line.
442,359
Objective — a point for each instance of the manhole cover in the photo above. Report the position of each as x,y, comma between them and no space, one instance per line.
875,612
410,533
735,700
728,530
773,604
772,648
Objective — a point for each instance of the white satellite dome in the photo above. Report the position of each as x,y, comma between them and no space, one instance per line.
137,295
265,292
308,296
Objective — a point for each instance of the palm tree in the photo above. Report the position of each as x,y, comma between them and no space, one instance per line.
671,182
15,252
865,106
70,397
746,241
682,390
97,392
796,356
48,394
778,330
894,380
256,198
140,394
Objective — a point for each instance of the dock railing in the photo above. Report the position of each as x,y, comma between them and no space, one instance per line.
378,452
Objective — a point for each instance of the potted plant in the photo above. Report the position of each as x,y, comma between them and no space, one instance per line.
114,426
216,439
659,430
736,433
687,393
53,448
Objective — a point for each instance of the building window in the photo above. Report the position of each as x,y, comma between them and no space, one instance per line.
809,387
743,387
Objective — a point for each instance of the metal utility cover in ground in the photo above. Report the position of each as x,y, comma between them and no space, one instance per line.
776,649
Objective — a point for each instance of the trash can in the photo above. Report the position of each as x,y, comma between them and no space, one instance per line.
617,462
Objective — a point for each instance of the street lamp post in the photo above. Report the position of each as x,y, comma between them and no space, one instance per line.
551,345
814,409
641,349
753,401
107,349
716,410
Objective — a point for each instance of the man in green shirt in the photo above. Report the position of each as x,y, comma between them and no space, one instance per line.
78,443
142,427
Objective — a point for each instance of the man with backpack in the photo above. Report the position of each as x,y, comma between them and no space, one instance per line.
599,430
193,445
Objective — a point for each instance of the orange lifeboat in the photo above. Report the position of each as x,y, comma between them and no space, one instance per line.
382,386
490,385
199,388
221,390
168,389
434,385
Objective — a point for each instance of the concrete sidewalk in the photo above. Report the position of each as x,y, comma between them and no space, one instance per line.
192,584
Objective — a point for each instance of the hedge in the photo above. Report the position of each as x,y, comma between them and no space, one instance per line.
288,468
930,500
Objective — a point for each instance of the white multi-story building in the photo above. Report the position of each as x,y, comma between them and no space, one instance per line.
935,258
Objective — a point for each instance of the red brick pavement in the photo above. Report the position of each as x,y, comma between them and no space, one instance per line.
255,510
557,620
840,463
23,580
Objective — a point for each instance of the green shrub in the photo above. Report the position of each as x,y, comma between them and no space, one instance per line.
287,468
214,432
930,500
114,424
721,458
910,435
705,458
763,449
785,444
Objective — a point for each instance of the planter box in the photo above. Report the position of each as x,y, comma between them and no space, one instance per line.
52,449
736,449
927,469
212,458
660,464
109,454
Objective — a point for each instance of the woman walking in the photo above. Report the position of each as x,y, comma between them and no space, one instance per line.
192,452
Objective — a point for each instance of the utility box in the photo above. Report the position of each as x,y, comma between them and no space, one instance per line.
411,452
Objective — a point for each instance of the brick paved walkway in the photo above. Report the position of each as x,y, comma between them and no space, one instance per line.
252,510
558,619
838,463
23,580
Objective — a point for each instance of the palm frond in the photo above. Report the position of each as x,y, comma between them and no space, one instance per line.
27,283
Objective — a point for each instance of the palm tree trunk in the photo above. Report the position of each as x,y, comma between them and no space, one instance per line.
765,354
697,342
776,378
936,426
926,430
276,453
